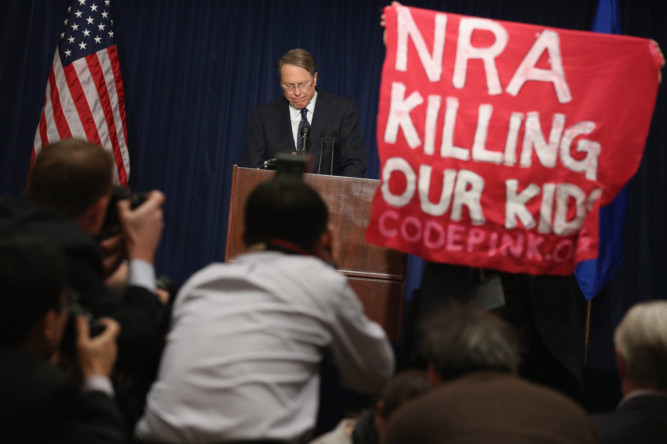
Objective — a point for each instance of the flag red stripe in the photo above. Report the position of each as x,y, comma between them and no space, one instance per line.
59,118
81,103
42,132
118,80
101,86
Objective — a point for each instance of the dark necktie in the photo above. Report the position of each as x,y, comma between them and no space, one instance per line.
302,124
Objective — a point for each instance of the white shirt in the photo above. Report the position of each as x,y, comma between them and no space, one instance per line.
242,357
141,274
295,116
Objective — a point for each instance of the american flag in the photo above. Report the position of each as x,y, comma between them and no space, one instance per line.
84,95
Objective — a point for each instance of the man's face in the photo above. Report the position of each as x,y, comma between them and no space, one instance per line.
298,85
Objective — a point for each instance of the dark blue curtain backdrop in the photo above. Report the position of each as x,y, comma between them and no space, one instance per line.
194,70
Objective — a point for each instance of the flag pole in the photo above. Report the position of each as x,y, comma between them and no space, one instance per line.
587,329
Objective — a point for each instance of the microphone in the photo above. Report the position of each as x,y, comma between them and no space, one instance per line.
319,164
305,134
334,133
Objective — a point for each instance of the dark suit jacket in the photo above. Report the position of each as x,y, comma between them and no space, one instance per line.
40,404
490,407
270,133
639,420
547,311
139,312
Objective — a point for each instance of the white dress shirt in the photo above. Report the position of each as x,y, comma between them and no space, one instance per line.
242,356
295,116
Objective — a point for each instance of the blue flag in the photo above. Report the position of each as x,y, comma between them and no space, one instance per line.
593,275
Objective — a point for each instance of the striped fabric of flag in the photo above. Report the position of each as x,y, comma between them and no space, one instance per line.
84,94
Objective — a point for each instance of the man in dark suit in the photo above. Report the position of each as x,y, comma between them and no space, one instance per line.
39,402
641,351
67,198
66,201
306,121
473,359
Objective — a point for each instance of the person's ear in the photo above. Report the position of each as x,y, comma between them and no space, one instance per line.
315,80
620,362
93,218
325,246
49,328
100,212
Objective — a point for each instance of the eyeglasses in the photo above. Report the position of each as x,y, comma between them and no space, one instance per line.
295,87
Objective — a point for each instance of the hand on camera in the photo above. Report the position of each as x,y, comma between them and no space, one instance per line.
96,355
142,227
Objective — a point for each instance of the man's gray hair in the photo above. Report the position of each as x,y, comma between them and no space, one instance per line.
297,57
461,339
641,339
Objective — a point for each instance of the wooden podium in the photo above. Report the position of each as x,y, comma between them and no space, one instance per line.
376,274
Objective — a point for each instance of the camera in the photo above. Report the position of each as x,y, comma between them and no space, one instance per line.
68,343
111,225
292,165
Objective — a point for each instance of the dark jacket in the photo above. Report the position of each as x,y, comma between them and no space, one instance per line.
270,133
138,311
41,404
641,420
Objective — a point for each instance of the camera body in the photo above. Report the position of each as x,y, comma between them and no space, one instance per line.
289,164
68,343
111,225
293,165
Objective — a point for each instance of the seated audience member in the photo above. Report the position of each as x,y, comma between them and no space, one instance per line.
242,358
406,386
40,404
66,201
473,358
641,350
368,427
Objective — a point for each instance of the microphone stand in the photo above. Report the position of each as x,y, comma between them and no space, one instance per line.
334,133
319,163
305,135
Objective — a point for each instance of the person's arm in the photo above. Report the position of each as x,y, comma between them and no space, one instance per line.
383,23
101,420
255,150
142,230
141,274
360,349
352,149
96,355
142,227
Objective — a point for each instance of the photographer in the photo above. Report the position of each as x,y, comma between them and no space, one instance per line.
262,325
74,178
40,403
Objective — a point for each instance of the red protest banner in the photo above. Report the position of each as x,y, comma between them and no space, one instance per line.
499,141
